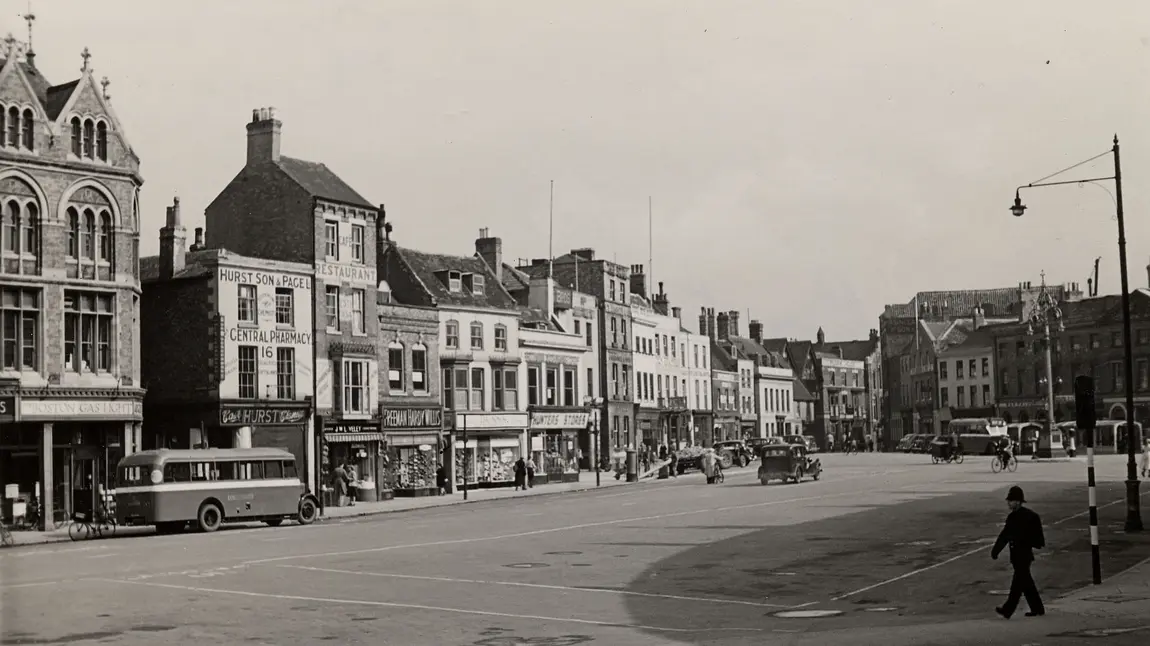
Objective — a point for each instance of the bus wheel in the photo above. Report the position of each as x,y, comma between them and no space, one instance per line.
307,511
274,522
210,517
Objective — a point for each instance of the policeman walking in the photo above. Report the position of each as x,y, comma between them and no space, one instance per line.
1023,532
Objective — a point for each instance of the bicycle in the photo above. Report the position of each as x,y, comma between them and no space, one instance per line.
955,457
852,449
1010,463
6,538
719,477
102,523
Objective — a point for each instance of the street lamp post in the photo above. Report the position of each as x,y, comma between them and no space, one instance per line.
593,404
1045,313
1133,506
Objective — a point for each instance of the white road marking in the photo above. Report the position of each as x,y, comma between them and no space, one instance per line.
33,585
552,530
1087,512
563,588
412,606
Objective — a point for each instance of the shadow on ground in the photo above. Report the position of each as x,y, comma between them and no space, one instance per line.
817,561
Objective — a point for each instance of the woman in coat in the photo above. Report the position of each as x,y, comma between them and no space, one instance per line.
520,474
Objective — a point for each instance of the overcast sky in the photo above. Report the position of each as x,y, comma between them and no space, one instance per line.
808,160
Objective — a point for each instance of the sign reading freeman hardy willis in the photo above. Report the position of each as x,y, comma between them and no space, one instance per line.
351,274
256,416
412,418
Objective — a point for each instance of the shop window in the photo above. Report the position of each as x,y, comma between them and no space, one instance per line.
285,306
358,312
477,389
532,386
355,387
501,338
246,303
476,336
395,367
331,304
419,368
285,373
88,331
552,387
247,370
505,389
451,335
20,328
569,398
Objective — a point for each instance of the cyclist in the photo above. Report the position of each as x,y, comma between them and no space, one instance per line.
1004,450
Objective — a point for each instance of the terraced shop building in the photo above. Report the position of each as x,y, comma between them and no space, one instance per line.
70,395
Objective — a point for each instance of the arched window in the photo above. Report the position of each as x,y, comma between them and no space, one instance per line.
106,238
13,126
3,123
89,137
31,229
73,233
395,367
102,141
11,231
88,235
26,129
77,137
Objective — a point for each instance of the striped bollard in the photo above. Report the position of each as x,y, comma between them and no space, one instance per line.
1086,420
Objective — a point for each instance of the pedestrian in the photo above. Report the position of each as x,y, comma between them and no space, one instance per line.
1144,458
520,474
441,479
674,465
709,465
339,481
1023,532
530,472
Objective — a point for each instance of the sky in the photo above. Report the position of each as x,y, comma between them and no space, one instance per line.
807,161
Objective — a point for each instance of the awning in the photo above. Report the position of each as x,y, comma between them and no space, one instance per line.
412,439
353,437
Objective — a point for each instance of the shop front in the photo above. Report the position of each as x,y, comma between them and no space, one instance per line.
485,447
748,427
648,420
554,446
279,425
726,428
73,445
358,446
412,450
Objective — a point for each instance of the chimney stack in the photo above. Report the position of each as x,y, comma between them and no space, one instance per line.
198,245
724,328
979,318
491,250
661,303
263,137
756,331
703,329
638,281
821,336
873,335
733,317
712,329
172,237
677,312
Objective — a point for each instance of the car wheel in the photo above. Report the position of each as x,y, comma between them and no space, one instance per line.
307,512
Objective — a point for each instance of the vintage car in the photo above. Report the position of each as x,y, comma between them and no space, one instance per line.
808,441
789,463
733,453
756,444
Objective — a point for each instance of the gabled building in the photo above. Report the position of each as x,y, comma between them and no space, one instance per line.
726,403
69,286
227,350
609,282
483,375
864,418
773,392
966,374
292,210
662,369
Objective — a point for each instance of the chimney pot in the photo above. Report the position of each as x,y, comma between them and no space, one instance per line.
263,137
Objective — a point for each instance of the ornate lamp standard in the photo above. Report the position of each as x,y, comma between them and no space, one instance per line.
593,404
1043,316
1133,503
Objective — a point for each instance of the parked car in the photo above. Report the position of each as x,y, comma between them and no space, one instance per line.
755,444
733,453
921,443
805,440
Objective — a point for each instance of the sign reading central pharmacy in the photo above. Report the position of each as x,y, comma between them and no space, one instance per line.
559,420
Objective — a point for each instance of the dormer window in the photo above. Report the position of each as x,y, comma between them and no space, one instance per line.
477,284
454,281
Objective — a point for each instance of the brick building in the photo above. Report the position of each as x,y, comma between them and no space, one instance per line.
69,286
291,210
227,349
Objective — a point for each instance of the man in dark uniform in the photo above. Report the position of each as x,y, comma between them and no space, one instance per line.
1023,532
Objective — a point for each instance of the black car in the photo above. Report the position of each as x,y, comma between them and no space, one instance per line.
734,452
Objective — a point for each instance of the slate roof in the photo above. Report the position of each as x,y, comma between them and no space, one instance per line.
959,301
319,180
801,392
535,317
427,268
799,353
514,279
51,97
721,360
852,350
982,338
775,345
194,265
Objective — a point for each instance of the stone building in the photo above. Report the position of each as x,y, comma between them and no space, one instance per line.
69,286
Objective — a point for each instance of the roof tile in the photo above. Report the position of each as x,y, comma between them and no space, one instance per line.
320,181
431,270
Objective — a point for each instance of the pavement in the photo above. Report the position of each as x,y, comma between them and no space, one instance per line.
884,549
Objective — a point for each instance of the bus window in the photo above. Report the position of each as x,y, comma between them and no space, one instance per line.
245,470
289,469
177,472
203,471
132,476
273,469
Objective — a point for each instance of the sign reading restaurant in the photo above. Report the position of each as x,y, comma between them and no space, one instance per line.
431,418
352,274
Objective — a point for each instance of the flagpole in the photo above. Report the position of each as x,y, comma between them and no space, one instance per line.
551,233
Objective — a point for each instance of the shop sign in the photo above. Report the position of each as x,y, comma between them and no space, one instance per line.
489,421
351,274
352,427
261,416
121,409
7,409
559,420
412,418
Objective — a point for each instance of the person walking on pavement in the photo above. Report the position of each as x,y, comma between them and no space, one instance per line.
1023,532
674,465
530,472
520,475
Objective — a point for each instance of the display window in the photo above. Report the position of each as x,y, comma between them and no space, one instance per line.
414,469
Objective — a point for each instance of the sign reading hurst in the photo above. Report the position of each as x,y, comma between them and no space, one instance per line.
260,416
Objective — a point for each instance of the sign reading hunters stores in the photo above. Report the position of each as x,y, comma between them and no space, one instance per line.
431,418
7,409
258,416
